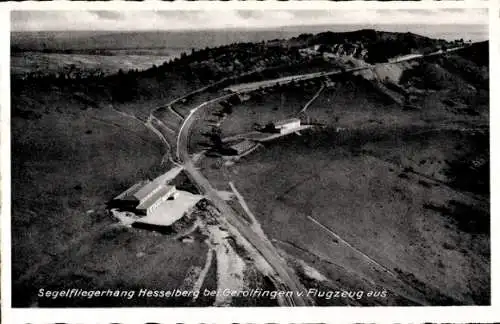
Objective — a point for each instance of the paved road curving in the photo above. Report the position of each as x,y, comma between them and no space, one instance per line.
267,250
289,280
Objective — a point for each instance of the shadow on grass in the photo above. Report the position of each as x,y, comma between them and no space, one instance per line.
468,218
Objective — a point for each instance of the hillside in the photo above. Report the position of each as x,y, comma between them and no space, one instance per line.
379,46
386,171
79,139
214,59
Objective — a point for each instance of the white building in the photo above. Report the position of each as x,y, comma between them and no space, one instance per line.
145,196
158,196
131,193
169,211
287,125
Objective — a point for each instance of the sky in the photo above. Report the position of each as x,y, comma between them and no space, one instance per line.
196,20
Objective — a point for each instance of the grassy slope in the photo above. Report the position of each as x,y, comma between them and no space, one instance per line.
385,185
265,108
68,160
55,135
366,201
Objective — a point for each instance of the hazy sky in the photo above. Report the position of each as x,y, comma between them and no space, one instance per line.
178,20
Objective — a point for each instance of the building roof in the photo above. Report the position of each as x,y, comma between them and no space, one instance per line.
164,190
170,211
146,190
286,121
131,191
243,146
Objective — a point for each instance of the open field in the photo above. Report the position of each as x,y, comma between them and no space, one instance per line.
68,160
267,107
108,260
70,156
27,62
404,221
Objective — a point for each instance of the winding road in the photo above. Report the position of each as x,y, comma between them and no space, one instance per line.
289,280
263,245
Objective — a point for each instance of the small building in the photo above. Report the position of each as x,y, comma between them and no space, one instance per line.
286,125
241,147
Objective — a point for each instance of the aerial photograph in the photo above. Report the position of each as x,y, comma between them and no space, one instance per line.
250,158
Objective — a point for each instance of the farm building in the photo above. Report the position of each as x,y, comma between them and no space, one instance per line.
286,125
130,192
156,204
129,199
158,196
143,197
168,212
241,147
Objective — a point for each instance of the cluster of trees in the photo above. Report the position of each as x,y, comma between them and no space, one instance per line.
380,45
211,64
71,73
255,61
402,44
207,66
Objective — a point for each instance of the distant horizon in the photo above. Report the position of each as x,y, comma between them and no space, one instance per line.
231,29
98,21
212,37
